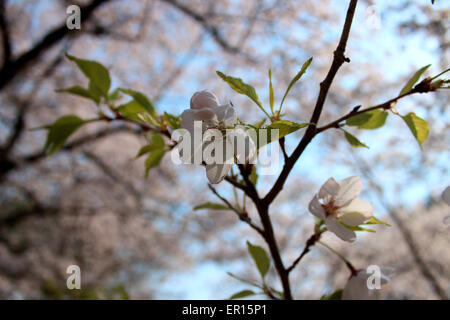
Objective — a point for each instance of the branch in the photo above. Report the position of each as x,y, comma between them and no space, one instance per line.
311,131
386,105
6,41
309,243
10,70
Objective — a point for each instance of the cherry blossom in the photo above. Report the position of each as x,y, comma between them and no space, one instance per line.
338,206
220,122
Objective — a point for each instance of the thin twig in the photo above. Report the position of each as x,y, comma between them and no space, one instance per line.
309,243
241,215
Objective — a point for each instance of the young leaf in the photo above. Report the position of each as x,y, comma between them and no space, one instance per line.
410,84
260,257
82,92
260,123
368,120
153,160
354,142
296,78
156,142
336,295
60,131
418,127
172,121
284,128
242,294
135,111
212,206
142,100
241,87
97,74
270,90
374,220
115,95
356,228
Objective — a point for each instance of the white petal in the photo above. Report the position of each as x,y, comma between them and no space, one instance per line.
446,195
227,114
356,212
338,229
206,115
329,188
356,289
349,189
187,120
204,99
244,147
316,208
217,172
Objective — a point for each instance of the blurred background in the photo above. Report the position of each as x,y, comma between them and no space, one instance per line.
136,237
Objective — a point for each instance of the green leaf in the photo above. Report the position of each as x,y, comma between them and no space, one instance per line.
241,87
336,295
212,206
135,111
153,160
296,78
156,142
270,90
172,121
374,220
260,257
142,99
418,127
368,120
354,142
356,228
260,123
97,74
242,294
82,92
284,127
115,95
60,131
410,84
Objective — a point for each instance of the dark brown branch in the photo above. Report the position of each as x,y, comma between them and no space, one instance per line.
386,105
311,131
309,243
10,70
6,37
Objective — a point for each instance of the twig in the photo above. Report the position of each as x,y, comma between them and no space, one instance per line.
347,263
309,243
241,215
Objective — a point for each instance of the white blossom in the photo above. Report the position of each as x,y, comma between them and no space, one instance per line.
338,206
218,120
